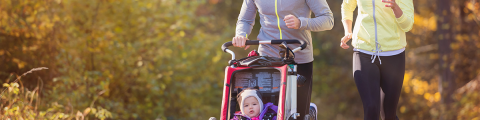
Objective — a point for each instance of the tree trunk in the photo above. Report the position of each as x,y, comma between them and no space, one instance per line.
445,37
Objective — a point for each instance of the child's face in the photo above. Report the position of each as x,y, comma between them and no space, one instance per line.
251,107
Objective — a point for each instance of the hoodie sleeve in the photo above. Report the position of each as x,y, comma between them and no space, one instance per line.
406,20
348,6
323,17
246,18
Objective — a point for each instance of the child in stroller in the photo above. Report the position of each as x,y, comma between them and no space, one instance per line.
252,108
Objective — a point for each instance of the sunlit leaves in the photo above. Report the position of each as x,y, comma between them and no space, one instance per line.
150,58
133,44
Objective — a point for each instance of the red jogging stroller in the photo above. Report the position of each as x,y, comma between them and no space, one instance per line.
276,79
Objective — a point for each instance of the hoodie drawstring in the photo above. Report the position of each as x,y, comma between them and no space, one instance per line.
377,45
376,52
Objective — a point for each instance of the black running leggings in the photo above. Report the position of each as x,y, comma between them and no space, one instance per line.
304,92
369,77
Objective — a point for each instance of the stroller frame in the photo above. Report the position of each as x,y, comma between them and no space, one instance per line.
287,98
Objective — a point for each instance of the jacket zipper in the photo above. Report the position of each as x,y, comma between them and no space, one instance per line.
278,20
375,22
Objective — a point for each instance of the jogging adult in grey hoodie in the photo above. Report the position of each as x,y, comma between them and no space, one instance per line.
286,19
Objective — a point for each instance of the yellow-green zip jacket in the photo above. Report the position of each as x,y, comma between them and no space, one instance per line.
378,24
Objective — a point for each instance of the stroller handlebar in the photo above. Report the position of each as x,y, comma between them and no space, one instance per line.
257,42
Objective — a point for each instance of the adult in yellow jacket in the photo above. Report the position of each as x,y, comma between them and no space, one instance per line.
379,50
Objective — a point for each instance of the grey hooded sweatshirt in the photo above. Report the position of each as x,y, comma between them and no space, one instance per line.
271,25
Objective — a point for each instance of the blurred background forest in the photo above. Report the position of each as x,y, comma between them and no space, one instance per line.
161,59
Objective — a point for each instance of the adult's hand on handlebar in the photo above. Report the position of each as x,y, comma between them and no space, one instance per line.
239,41
345,39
